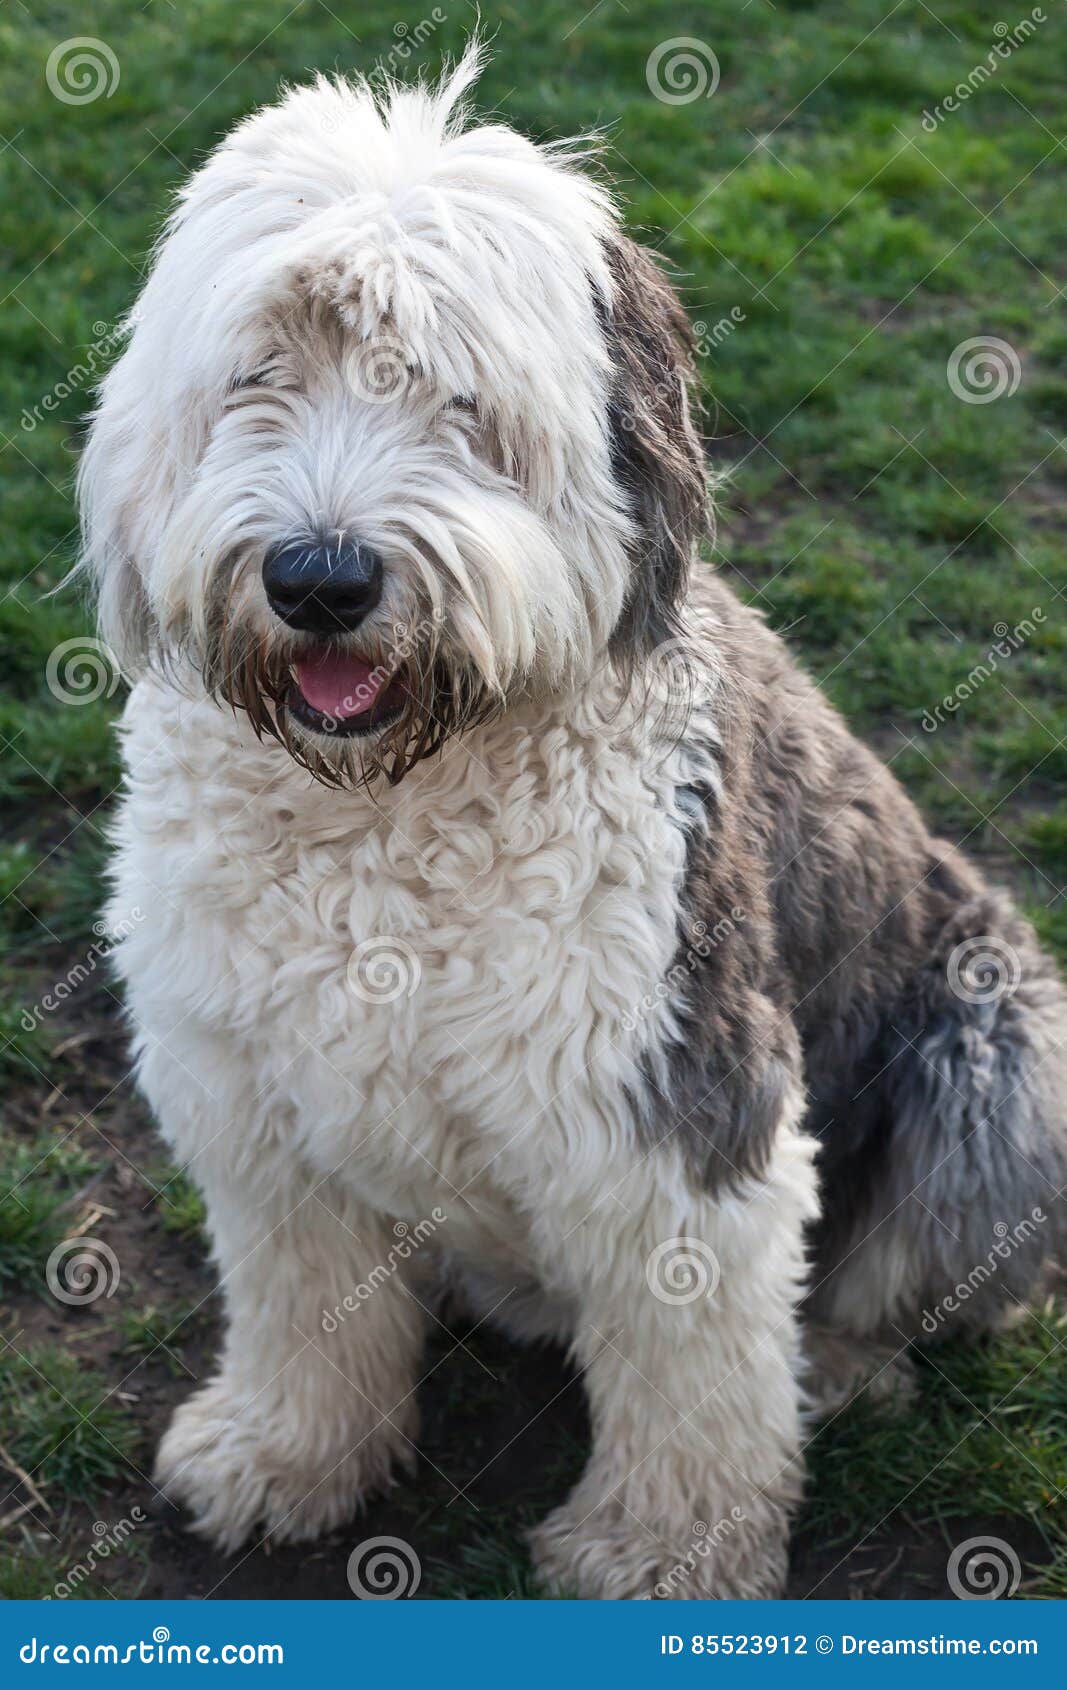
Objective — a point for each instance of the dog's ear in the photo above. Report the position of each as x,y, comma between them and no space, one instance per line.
656,453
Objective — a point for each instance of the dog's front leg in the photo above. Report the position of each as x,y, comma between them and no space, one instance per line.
314,1399
688,1337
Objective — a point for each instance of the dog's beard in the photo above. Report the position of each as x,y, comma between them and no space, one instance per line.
428,697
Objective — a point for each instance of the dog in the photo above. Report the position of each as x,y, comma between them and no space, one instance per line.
523,919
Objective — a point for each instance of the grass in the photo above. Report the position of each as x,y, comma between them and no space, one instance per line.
58,1422
178,1203
837,253
37,1181
151,1333
994,1408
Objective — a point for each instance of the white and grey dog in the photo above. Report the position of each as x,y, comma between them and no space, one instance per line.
505,886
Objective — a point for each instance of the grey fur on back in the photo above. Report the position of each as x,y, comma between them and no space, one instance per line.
941,1110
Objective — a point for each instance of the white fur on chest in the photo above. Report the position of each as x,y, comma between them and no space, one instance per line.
424,991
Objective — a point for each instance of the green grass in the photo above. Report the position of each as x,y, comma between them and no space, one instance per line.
987,1435
178,1203
37,1181
58,1421
151,1333
890,527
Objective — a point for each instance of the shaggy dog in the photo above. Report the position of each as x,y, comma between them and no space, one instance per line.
521,915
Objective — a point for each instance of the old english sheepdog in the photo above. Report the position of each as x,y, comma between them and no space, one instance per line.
521,916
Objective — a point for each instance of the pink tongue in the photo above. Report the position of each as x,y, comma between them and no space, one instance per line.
339,686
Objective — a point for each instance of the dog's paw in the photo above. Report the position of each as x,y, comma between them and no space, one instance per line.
239,1466
609,1555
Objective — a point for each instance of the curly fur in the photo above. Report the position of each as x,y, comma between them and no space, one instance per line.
668,955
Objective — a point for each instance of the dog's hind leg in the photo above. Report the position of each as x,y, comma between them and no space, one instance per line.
944,1193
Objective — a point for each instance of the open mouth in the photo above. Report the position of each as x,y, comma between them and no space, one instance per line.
342,695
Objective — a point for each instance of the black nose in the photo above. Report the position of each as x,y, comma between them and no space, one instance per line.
322,585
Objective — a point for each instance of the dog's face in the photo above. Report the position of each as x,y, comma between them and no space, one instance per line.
401,431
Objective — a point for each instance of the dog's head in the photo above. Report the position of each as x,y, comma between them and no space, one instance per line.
401,430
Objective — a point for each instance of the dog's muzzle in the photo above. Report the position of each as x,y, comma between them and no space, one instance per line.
322,586
328,587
